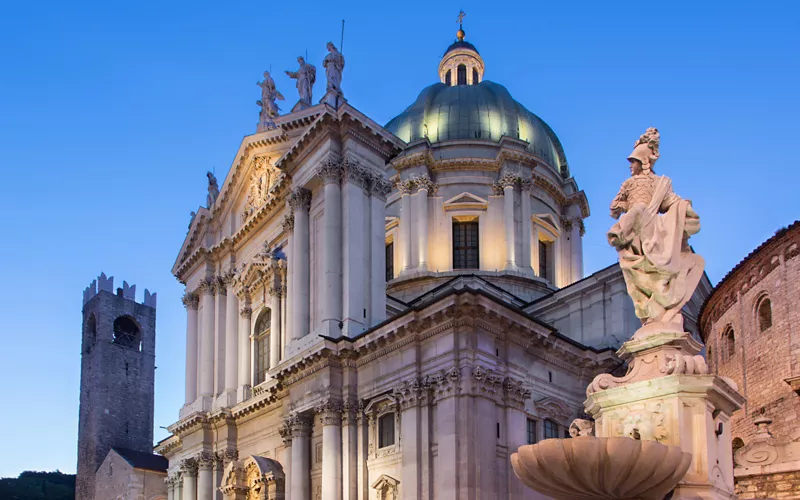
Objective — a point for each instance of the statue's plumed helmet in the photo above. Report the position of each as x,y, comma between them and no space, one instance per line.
645,149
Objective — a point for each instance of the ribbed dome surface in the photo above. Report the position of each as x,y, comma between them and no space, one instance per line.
485,111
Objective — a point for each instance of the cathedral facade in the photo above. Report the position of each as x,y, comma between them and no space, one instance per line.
385,312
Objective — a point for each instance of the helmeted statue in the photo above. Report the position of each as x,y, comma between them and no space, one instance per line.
334,66
213,190
269,110
306,75
661,271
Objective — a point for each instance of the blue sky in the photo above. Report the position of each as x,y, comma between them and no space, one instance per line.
111,113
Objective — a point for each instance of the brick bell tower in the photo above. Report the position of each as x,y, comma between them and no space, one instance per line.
117,376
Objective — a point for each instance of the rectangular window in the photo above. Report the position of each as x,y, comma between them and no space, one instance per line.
465,245
531,431
544,260
550,429
386,430
390,261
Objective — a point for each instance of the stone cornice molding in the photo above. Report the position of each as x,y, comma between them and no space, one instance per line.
417,391
300,199
190,300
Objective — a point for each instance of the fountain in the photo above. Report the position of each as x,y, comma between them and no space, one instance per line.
663,427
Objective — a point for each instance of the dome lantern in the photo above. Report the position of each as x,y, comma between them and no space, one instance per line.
461,63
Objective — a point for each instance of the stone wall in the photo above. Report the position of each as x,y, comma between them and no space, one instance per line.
778,485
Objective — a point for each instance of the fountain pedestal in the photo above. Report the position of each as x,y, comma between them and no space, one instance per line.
668,396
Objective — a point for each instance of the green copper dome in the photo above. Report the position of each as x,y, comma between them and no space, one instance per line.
484,111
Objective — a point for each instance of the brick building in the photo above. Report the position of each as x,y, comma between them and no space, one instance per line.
751,325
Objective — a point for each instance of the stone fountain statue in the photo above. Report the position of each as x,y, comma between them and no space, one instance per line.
663,427
661,271
269,109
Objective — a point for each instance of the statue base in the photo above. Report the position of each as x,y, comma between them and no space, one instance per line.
333,99
300,106
668,396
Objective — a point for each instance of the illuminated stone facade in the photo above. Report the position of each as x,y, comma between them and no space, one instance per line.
750,325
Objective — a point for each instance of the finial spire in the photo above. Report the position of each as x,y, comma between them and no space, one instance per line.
460,33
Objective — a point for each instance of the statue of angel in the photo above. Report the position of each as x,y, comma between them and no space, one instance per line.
269,109
661,271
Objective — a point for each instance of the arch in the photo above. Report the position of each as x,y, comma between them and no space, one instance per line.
475,77
728,343
261,343
448,78
764,313
461,71
127,333
254,477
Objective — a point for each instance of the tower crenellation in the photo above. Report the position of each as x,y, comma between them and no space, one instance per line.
117,376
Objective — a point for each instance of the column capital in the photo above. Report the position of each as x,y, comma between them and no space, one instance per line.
288,223
350,412
508,180
286,433
356,173
221,287
300,425
190,300
329,412
276,291
330,170
208,285
526,185
205,460
246,312
300,199
380,187
189,467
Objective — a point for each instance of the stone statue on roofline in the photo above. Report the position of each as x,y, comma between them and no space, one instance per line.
213,190
269,109
652,238
334,66
305,75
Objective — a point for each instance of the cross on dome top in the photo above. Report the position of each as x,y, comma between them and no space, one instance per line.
460,33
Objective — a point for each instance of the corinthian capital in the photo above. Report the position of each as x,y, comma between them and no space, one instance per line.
190,300
300,199
330,412
380,187
330,170
246,312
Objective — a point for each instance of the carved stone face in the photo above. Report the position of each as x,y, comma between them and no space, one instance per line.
301,61
636,167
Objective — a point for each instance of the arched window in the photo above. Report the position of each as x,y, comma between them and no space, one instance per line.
448,78
550,429
126,333
474,76
261,337
462,74
764,314
728,346
709,356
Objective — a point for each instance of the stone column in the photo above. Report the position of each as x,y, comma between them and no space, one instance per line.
205,479
356,273
288,292
219,337
380,189
231,343
207,342
508,219
300,287
361,462
576,236
178,485
286,459
349,451
170,482
275,293
410,478
422,224
244,354
405,222
189,469
331,174
524,260
330,417
191,301
301,460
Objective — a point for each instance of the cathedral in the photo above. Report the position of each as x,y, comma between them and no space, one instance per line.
389,311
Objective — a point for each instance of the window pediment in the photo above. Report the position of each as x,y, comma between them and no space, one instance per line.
465,201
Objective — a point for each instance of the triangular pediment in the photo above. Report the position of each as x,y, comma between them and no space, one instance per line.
466,201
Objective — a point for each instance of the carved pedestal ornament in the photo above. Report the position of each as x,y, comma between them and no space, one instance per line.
664,425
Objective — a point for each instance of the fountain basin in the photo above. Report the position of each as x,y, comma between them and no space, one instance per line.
592,468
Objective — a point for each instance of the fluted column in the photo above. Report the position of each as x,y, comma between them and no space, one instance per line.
205,479
301,460
300,287
331,174
220,303
170,482
405,222
349,451
191,301
422,224
288,290
361,460
380,189
189,489
244,352
231,343
207,340
275,293
286,458
524,260
330,417
508,219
